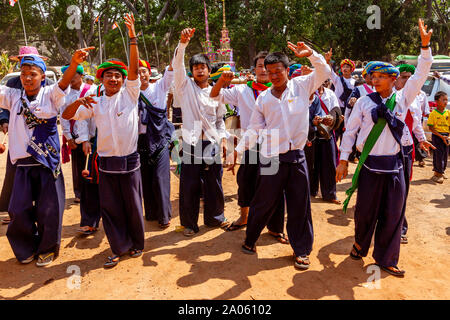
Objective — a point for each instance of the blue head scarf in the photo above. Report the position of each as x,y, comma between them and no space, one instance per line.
382,67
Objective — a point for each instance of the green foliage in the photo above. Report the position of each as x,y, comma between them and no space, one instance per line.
6,65
254,25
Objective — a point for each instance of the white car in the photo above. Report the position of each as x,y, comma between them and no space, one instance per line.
431,86
48,74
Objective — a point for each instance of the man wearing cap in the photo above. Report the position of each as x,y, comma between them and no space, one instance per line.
38,196
115,110
379,176
155,134
89,79
4,122
71,143
154,75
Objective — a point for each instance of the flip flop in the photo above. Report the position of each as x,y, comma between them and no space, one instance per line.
6,220
134,253
302,263
399,273
234,227
248,250
356,256
281,237
164,226
112,262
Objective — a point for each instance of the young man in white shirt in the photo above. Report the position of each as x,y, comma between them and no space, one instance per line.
380,177
412,129
77,89
155,134
204,138
115,111
281,117
244,97
37,202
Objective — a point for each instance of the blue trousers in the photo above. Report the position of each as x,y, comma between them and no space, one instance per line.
89,204
155,172
121,206
379,209
247,176
408,162
321,158
194,172
440,155
36,209
292,180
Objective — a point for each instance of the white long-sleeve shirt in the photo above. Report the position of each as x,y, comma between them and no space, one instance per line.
243,97
156,93
116,118
71,96
330,99
200,113
46,105
339,88
284,123
361,118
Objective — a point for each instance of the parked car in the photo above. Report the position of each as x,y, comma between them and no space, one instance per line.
431,86
49,74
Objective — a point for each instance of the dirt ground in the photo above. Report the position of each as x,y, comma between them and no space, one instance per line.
211,265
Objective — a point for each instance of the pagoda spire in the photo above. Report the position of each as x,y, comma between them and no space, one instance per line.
224,19
206,22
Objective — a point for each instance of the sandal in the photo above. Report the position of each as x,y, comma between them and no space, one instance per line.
358,255
164,226
28,260
112,262
393,270
225,224
188,232
248,250
404,239
87,230
45,259
6,220
281,237
302,262
234,227
134,253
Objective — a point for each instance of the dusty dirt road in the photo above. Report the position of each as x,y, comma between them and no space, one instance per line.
211,265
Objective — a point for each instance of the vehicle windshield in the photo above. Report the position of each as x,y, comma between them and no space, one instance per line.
428,85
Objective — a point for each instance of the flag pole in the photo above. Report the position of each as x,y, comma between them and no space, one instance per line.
145,47
124,46
100,39
23,23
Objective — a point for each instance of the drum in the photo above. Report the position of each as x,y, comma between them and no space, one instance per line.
232,122
325,131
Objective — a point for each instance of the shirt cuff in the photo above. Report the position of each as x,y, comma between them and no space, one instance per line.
426,54
344,156
134,83
81,139
68,136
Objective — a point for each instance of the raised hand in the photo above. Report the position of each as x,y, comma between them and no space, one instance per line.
186,35
88,101
425,35
328,55
227,76
301,49
129,22
81,55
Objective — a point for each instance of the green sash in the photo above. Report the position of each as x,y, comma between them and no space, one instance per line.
370,143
